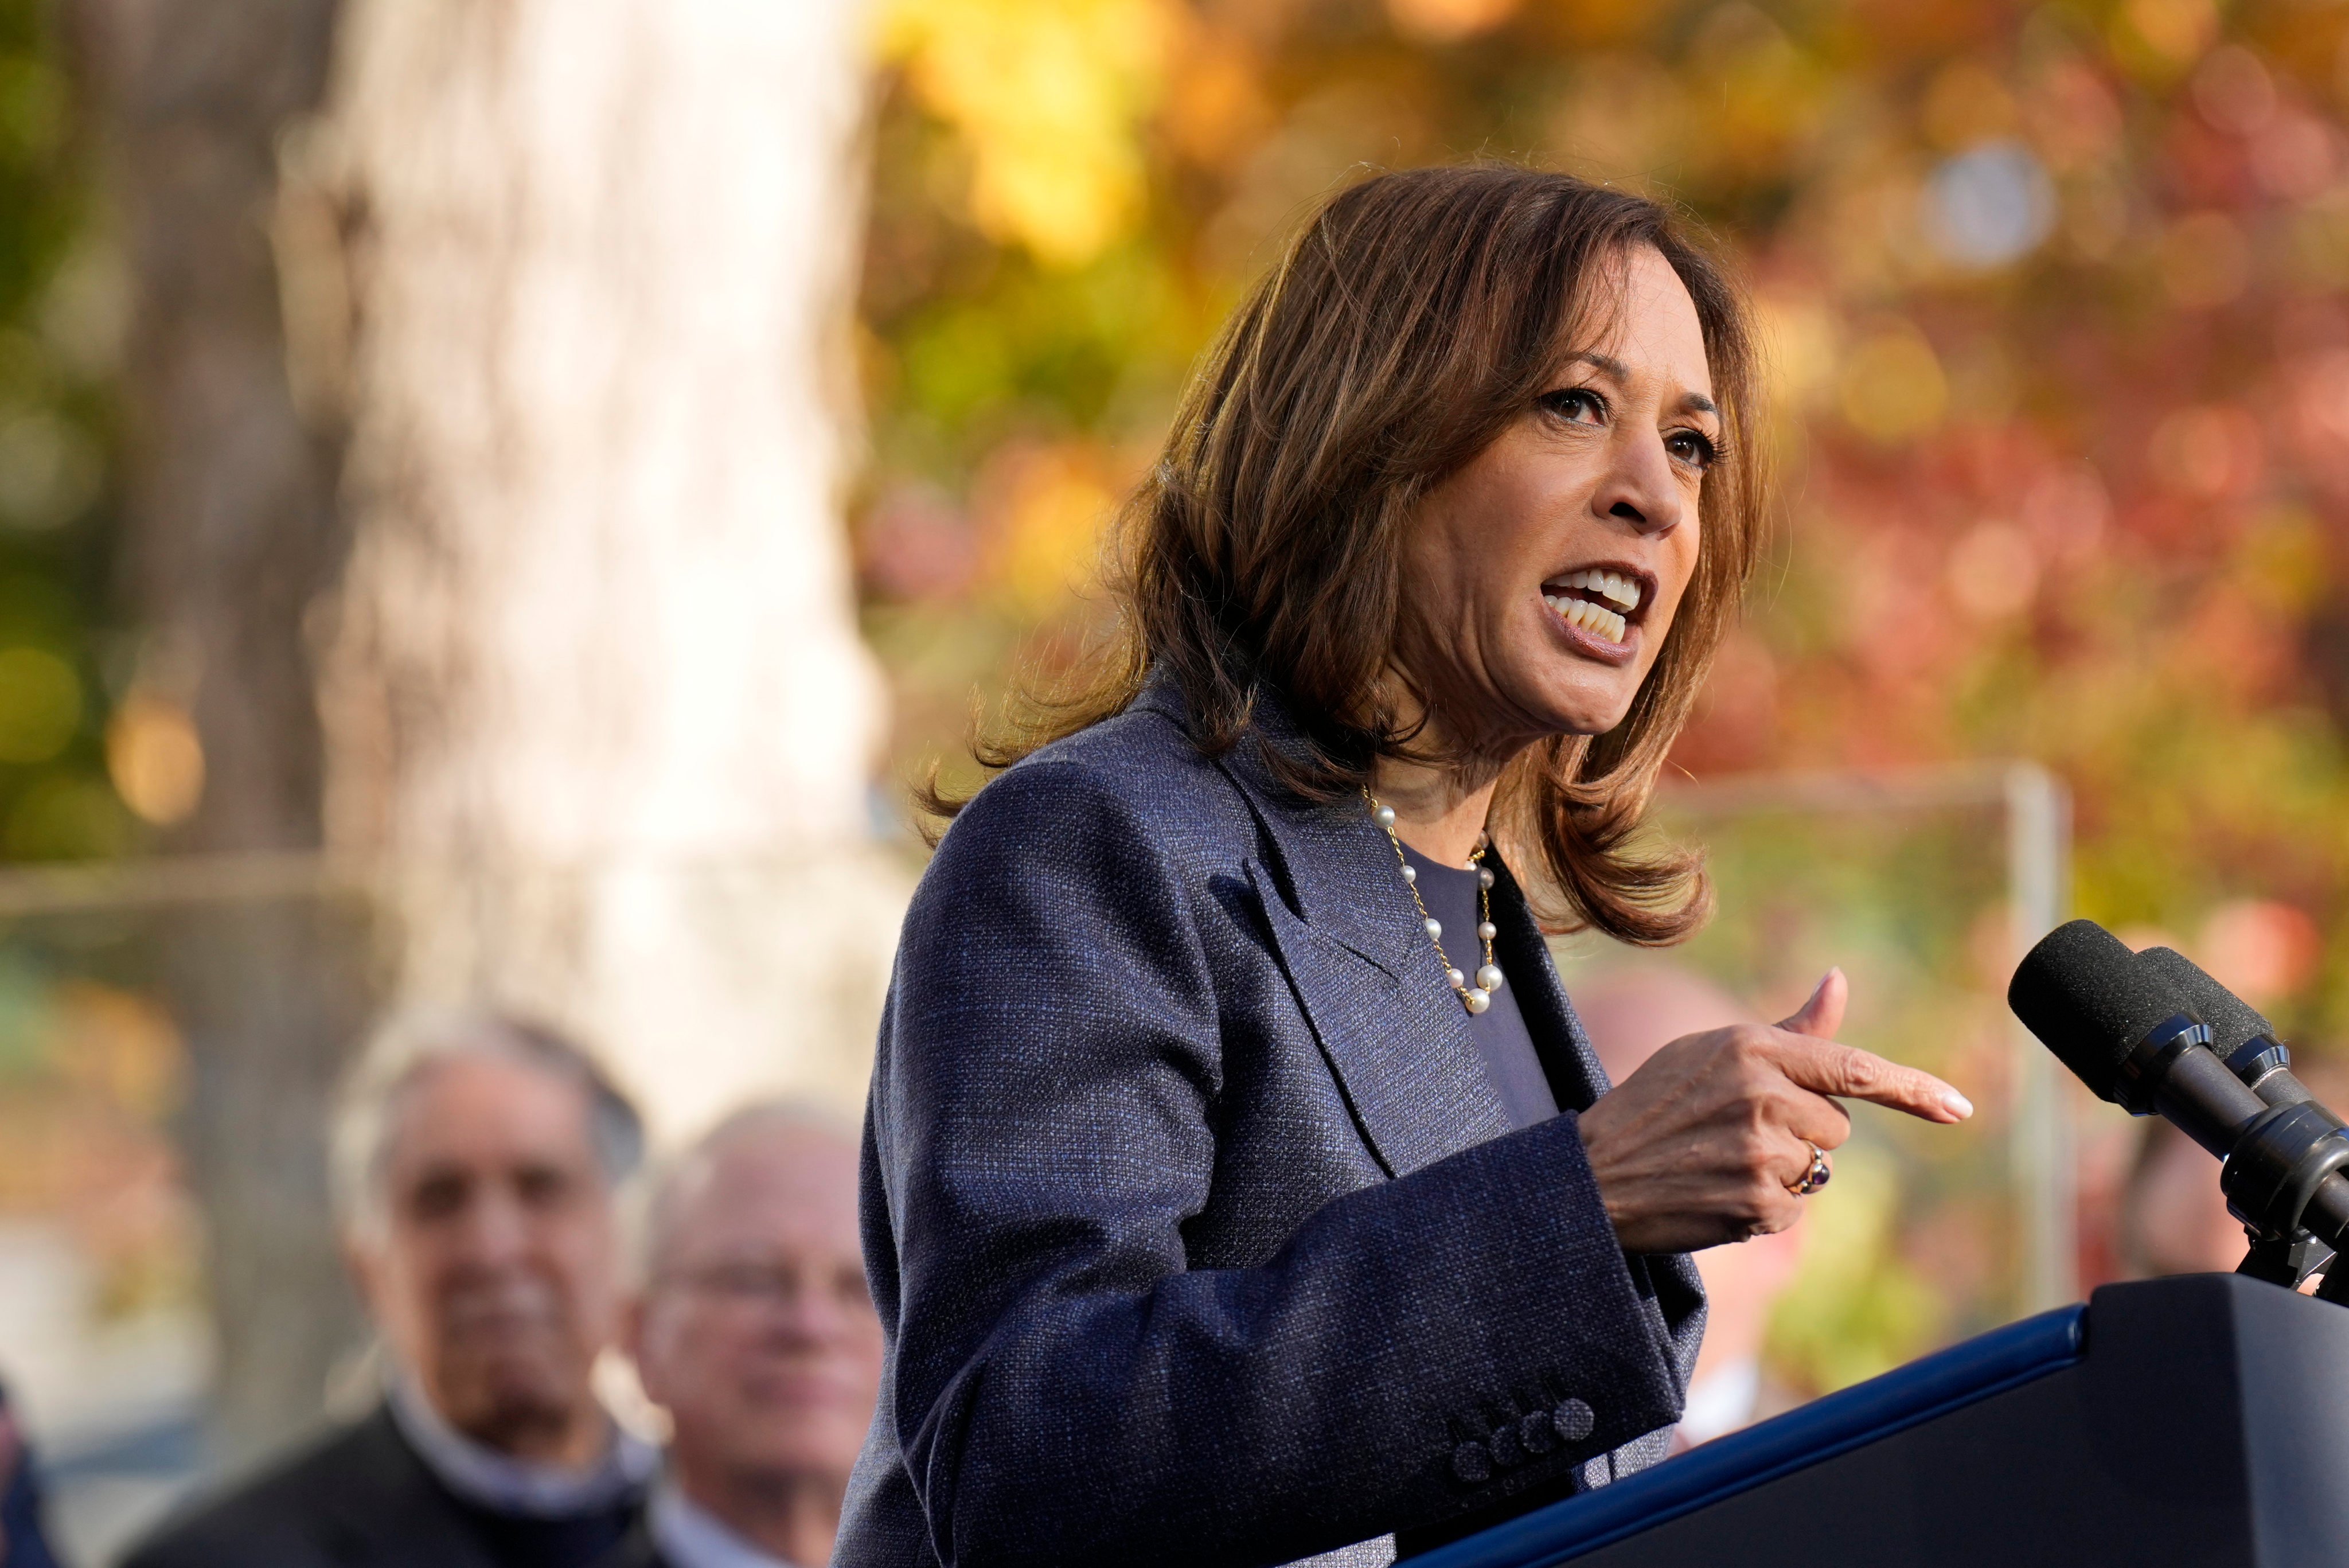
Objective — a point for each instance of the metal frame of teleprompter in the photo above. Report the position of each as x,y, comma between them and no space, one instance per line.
2037,811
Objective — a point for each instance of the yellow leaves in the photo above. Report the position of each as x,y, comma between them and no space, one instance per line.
49,469
2161,38
2280,561
1799,346
1049,96
1968,103
64,816
120,1046
1623,117
1769,93
40,704
1892,387
155,760
35,108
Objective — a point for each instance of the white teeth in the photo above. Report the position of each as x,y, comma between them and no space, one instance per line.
1618,590
1596,620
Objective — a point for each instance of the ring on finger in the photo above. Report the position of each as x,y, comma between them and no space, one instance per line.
1817,1177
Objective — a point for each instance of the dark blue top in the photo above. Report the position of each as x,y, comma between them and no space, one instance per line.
1455,900
1198,1229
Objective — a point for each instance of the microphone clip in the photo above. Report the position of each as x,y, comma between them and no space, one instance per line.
2284,1263
2278,1160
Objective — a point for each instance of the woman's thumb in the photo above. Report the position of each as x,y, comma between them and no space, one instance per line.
1822,1015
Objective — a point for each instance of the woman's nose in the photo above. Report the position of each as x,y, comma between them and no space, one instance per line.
1641,491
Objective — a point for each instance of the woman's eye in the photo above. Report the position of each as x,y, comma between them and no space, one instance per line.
1693,448
1577,405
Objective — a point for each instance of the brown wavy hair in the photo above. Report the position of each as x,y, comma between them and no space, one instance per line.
1411,320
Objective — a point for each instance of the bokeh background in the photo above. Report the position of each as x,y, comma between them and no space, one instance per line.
500,496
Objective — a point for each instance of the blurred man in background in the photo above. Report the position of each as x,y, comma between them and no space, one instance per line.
477,1159
1629,1015
2173,1217
22,1543
756,1333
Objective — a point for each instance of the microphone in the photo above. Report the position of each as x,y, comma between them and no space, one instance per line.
2130,1032
2127,1034
2239,1036
2242,1038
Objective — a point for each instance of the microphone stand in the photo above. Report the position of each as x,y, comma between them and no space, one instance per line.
2277,1164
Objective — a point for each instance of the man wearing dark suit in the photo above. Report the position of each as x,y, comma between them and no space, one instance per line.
23,1543
755,1331
476,1162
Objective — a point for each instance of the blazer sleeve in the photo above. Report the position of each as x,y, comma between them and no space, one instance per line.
1064,1389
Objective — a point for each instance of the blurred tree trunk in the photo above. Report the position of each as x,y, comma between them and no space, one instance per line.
231,534
492,408
596,707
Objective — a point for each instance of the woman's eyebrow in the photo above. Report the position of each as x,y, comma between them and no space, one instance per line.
1605,364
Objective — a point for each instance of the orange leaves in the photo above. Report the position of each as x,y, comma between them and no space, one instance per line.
2051,301
1448,21
1046,515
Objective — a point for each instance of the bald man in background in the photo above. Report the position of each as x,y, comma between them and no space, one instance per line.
755,1331
1630,1015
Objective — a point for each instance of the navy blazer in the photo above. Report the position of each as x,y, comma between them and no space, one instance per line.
1199,1233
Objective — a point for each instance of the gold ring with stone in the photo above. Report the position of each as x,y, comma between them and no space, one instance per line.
1818,1174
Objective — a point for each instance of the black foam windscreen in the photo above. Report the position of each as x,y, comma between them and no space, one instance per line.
2232,1019
2083,993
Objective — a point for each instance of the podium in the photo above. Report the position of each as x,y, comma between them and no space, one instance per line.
2200,1420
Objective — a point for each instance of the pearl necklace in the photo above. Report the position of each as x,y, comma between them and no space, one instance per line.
1475,998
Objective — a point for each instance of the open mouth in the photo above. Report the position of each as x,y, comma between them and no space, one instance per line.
1605,601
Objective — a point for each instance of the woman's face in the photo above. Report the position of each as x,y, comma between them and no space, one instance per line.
1539,580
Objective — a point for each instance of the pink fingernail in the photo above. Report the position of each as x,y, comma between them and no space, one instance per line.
1957,1105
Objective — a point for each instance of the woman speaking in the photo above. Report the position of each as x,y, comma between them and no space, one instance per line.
1238,1183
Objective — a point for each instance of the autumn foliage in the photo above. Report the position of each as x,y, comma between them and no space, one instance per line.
2055,304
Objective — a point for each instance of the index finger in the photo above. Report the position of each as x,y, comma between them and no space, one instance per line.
1826,1067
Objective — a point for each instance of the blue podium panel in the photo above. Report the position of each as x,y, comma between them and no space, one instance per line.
2200,1421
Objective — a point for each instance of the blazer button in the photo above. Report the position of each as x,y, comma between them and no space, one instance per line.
1573,1420
1537,1433
1503,1444
1472,1464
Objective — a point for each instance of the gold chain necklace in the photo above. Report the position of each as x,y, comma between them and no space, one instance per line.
1475,998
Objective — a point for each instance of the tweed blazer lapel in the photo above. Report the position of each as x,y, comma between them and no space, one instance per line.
1347,933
